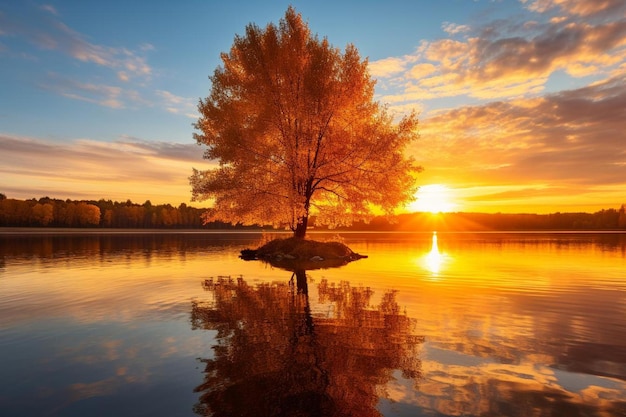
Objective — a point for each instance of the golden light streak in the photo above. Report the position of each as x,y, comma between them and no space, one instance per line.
434,258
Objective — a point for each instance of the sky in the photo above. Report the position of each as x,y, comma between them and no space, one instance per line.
521,103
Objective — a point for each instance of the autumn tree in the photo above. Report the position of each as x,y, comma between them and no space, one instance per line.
42,213
292,122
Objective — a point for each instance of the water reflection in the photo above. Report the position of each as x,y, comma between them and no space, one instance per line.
98,243
276,357
434,260
523,324
457,384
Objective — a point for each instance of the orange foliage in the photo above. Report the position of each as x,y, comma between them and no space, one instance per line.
293,124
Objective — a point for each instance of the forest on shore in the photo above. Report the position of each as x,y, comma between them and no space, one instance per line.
49,212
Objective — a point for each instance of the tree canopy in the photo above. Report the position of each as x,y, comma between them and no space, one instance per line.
293,124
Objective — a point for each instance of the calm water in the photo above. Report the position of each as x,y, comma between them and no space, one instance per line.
175,324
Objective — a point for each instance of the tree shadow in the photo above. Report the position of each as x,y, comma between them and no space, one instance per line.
277,355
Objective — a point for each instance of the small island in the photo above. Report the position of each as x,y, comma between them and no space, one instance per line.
296,253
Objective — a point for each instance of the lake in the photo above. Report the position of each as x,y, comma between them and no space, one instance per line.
127,323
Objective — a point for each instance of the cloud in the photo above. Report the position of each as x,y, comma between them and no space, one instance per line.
178,105
165,150
510,58
528,148
582,8
422,70
570,143
116,97
147,47
388,66
127,168
453,28
43,28
104,95
50,9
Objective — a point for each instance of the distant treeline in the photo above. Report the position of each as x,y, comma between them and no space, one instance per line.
48,212
610,219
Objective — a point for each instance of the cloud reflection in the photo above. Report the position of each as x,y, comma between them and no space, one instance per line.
460,384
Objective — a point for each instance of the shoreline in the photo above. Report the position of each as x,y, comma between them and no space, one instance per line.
124,231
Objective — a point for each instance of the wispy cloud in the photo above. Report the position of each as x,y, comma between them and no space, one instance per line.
454,28
85,168
582,8
178,105
130,76
50,9
101,94
105,75
44,29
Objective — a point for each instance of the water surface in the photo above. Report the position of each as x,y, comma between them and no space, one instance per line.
175,324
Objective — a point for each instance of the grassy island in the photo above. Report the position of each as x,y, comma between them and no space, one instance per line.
295,253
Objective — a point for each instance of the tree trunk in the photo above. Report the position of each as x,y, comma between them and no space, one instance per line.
300,231
303,221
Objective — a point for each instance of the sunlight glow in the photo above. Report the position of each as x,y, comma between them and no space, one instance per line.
434,198
434,259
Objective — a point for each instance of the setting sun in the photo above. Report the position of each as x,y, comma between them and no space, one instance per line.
433,198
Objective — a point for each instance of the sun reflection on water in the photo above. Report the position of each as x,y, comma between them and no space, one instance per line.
434,260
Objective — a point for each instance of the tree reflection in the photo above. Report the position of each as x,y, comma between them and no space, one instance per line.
276,357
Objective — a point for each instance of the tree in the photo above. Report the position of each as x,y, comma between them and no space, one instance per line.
42,214
87,214
292,122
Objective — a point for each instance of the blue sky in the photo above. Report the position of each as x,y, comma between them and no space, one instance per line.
522,103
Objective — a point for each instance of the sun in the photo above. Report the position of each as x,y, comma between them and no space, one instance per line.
433,198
